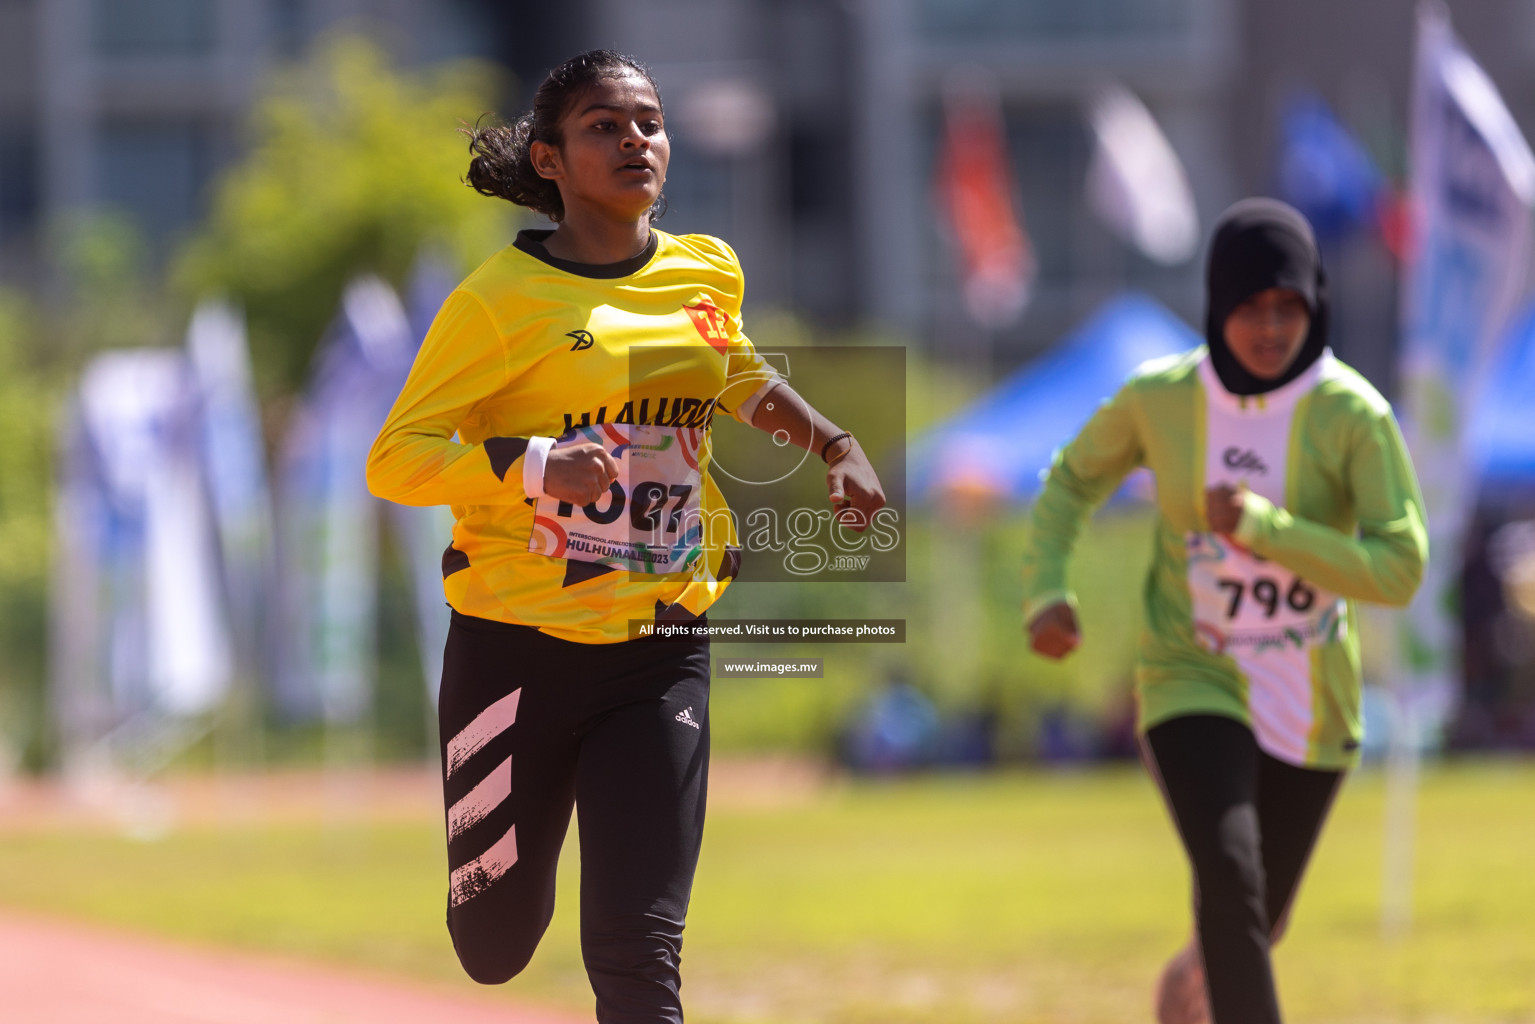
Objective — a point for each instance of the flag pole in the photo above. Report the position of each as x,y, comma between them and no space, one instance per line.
1403,755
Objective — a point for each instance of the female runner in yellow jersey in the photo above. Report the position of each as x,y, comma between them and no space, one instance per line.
581,369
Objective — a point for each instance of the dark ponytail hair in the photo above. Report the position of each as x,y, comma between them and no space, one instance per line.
502,165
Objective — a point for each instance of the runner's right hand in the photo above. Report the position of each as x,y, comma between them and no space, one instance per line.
579,474
1054,632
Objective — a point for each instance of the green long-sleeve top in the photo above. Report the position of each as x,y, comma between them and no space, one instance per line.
1259,627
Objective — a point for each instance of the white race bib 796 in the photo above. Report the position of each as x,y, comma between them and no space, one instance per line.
1246,605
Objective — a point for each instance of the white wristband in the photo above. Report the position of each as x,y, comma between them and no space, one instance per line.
533,462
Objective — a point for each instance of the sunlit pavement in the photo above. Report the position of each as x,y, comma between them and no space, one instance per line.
60,973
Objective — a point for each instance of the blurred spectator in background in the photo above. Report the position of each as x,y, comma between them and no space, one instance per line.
896,729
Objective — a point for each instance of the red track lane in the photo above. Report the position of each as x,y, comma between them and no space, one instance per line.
58,973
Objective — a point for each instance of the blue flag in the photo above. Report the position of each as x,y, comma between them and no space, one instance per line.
1324,171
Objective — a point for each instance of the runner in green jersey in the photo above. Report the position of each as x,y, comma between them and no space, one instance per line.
1284,494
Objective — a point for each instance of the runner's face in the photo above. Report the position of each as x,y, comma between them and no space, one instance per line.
1267,331
613,157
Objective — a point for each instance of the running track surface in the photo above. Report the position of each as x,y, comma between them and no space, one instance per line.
57,973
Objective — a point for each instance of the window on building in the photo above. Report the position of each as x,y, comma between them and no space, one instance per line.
155,171
817,170
18,178
1055,19
289,27
455,28
152,28
698,191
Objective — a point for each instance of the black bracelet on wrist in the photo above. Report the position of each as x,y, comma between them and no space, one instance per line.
827,446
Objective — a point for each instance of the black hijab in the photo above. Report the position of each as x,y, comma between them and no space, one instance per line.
1261,244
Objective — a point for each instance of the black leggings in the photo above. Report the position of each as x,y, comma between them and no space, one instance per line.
532,725
1248,823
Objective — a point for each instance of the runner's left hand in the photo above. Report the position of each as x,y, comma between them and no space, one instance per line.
1223,508
854,488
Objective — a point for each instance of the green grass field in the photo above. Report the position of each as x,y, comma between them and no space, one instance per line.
1016,897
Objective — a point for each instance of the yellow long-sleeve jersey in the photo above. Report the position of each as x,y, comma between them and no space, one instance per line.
637,355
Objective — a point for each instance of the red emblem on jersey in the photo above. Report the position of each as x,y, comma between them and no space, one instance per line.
712,322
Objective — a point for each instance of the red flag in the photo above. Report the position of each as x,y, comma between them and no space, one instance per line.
975,195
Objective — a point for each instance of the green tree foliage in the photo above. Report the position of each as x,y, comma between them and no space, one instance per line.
112,292
352,167
27,404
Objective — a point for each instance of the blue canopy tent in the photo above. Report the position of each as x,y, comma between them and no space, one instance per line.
1000,444
1501,433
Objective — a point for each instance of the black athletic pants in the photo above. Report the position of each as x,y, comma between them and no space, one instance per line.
1248,823
532,725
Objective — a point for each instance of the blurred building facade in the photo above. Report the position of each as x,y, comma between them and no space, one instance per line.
833,210
805,131
134,105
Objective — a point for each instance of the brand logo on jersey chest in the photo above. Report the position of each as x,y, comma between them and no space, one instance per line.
584,340
1244,459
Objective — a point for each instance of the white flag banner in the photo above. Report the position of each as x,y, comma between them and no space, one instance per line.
422,532
426,530
234,459
330,523
1135,182
78,614
170,646
1472,182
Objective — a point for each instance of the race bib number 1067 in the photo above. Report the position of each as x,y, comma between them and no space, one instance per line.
649,520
